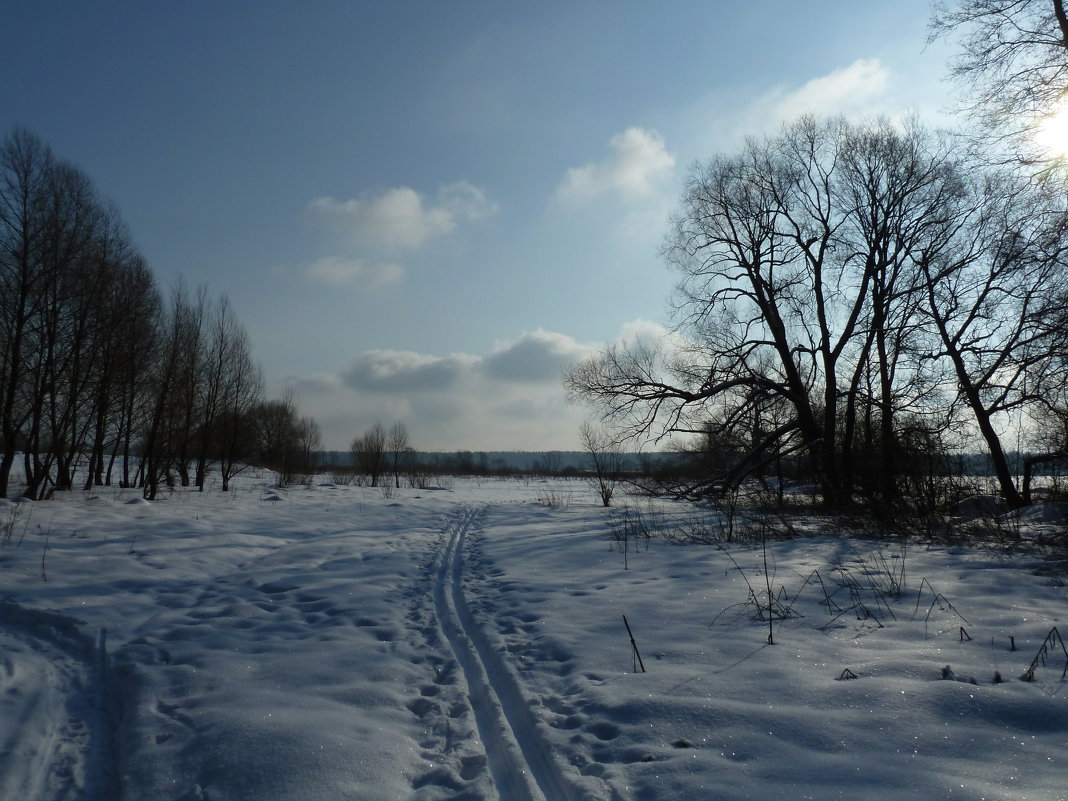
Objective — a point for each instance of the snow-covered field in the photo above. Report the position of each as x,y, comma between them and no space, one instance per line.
337,643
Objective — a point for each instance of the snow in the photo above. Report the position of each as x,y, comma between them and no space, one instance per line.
334,642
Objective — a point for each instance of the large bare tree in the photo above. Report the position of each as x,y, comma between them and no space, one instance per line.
812,315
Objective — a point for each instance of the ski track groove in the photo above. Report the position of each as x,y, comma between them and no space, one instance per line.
72,684
520,760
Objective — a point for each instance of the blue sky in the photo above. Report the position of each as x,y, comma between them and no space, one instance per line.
423,210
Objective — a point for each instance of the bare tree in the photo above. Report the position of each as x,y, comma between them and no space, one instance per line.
26,164
1049,428
129,298
65,352
797,299
844,286
238,393
162,433
400,451
369,452
276,434
191,387
1013,65
994,297
307,444
605,457
230,385
138,351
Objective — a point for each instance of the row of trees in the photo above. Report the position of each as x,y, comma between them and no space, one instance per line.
851,293
98,368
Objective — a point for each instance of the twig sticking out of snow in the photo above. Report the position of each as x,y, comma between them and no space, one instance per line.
1052,639
832,606
941,601
634,646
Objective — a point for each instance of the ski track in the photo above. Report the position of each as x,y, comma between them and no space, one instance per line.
64,692
481,738
519,759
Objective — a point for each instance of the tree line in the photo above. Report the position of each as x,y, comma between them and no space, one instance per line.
103,374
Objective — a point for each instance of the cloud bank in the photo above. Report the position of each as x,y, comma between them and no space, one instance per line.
385,371
510,397
536,356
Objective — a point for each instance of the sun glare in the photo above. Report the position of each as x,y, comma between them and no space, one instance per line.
1052,134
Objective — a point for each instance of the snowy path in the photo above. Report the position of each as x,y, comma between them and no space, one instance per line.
56,741
519,759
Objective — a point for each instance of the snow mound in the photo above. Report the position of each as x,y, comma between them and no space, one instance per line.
1053,513
980,506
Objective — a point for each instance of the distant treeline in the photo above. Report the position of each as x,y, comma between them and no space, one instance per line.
564,463
504,462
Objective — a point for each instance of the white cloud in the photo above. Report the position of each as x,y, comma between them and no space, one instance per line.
858,88
645,332
464,201
401,218
340,271
404,371
535,356
635,170
721,121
